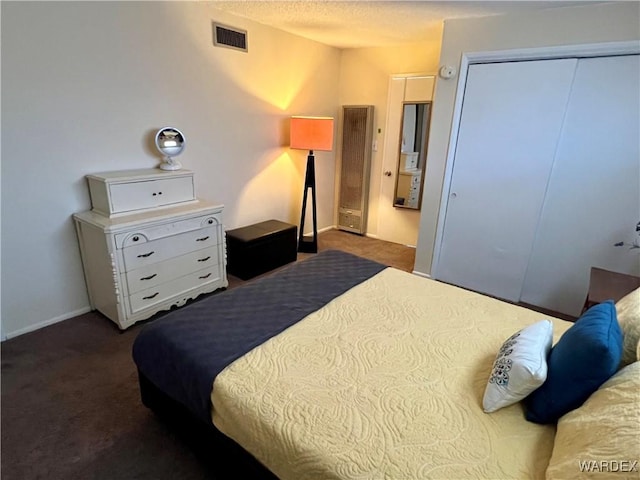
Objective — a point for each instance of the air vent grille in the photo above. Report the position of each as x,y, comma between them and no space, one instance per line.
357,134
354,142
229,37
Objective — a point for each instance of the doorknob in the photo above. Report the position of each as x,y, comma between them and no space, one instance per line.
388,173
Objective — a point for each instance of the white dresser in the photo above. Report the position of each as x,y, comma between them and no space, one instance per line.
149,243
409,186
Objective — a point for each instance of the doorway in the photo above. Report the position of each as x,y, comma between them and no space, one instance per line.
396,223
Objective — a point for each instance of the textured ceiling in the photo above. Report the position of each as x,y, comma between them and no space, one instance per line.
352,24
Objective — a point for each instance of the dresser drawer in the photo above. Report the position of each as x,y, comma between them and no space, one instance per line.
409,160
161,272
116,193
126,197
154,232
159,293
148,253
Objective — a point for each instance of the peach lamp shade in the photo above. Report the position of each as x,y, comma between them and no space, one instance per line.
311,133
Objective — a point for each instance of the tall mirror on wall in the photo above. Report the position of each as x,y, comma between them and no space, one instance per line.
412,155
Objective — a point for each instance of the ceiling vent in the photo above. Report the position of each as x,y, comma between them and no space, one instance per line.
230,37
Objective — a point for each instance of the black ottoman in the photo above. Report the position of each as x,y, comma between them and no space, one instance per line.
258,248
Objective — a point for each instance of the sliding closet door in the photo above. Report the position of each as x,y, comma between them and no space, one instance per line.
510,123
593,199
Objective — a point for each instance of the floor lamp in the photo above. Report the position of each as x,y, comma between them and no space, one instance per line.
310,133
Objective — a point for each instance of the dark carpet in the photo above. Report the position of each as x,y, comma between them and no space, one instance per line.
70,402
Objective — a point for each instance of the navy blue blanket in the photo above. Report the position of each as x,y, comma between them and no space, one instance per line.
182,352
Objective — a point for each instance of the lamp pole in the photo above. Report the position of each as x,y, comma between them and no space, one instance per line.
309,246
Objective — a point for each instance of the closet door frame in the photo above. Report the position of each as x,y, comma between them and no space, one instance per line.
538,53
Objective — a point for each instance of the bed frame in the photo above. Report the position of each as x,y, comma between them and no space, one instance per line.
208,444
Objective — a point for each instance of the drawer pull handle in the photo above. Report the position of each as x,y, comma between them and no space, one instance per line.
202,239
205,276
149,277
145,255
151,296
204,259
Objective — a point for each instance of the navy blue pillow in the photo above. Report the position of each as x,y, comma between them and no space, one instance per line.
583,359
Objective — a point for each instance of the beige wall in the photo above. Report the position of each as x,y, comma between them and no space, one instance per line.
364,80
566,26
85,85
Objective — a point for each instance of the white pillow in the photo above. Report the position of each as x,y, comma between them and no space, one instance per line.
520,366
628,312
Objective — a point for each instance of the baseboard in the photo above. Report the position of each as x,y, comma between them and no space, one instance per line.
46,323
421,274
374,236
325,229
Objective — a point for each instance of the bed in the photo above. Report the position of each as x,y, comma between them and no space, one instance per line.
339,367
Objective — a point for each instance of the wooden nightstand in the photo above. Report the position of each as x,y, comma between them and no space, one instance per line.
606,285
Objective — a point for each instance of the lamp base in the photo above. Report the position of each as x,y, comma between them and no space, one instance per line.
307,245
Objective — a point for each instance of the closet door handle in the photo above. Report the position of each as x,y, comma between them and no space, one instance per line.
202,239
151,296
145,255
204,259
204,276
149,277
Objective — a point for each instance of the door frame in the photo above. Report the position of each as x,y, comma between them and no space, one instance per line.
498,56
391,159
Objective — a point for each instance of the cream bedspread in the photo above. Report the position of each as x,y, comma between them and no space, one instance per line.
384,382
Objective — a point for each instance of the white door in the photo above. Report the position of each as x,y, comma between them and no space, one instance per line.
510,124
399,225
593,198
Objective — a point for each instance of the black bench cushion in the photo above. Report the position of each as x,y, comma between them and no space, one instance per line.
259,231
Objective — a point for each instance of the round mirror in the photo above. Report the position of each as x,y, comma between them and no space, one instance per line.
170,142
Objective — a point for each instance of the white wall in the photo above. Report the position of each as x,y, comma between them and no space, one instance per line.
85,85
559,26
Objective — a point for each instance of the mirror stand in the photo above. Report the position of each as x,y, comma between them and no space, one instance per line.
169,163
